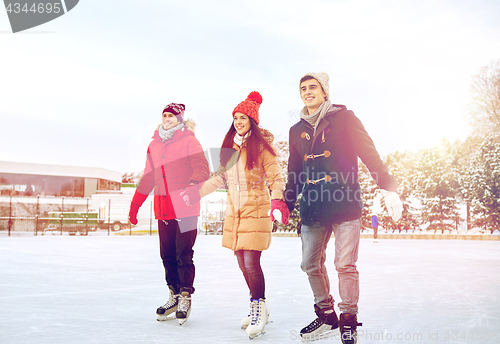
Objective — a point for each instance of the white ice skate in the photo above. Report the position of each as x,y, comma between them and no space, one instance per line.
246,320
258,318
184,307
163,312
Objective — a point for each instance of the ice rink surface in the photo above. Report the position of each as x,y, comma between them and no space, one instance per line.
63,289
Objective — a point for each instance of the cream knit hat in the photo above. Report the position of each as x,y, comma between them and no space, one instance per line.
323,79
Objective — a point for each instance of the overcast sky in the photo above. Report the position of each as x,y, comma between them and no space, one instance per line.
88,88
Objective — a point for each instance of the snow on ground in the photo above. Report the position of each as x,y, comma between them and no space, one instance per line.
99,289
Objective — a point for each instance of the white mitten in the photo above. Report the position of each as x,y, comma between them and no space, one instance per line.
393,205
277,215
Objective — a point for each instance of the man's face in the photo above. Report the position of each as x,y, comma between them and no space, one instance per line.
312,94
169,120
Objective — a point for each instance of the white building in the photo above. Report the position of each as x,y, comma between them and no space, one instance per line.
27,179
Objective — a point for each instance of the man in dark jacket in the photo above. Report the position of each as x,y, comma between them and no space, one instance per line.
323,166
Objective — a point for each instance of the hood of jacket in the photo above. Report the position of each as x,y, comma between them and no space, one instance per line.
268,136
189,125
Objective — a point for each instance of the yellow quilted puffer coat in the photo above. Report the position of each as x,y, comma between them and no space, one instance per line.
247,224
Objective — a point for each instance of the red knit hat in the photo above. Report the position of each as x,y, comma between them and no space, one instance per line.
250,106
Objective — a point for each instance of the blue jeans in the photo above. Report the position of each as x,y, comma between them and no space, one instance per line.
314,242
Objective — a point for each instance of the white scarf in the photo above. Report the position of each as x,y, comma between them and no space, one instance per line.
238,139
167,134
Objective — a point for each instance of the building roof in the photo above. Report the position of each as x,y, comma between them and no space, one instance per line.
59,170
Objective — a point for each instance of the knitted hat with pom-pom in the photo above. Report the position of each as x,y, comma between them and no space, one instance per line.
250,106
176,109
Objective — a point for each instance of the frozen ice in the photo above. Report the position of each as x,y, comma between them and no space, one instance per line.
105,289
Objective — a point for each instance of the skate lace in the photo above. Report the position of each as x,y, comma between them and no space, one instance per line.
172,301
254,312
184,303
314,325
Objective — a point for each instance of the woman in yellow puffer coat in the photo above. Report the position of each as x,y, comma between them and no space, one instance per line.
248,161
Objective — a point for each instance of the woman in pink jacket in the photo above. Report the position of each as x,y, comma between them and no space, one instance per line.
175,161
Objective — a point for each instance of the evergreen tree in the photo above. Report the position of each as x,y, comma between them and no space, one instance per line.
368,194
401,166
437,186
484,179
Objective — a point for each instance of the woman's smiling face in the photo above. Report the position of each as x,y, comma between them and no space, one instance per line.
241,123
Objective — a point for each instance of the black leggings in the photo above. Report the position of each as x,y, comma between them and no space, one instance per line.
249,262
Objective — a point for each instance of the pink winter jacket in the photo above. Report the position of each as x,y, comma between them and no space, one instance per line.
171,166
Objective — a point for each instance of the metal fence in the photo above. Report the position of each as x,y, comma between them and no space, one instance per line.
99,215
56,215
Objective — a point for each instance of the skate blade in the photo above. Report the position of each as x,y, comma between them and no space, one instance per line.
165,317
323,335
182,321
252,336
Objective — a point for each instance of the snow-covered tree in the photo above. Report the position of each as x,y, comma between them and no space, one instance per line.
401,166
484,185
282,150
484,109
131,177
437,186
369,193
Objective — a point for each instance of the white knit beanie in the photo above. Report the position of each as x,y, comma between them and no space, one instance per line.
323,79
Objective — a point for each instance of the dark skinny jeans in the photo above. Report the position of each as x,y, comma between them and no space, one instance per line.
249,262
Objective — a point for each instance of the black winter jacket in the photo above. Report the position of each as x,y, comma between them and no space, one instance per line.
324,167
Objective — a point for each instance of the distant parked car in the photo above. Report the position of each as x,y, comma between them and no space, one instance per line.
51,229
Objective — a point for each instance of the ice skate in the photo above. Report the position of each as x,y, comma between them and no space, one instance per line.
324,326
348,324
184,307
163,312
258,319
246,320
375,241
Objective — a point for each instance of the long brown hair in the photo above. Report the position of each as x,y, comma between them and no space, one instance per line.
254,142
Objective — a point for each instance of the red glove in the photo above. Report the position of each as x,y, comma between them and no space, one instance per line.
279,205
132,214
191,194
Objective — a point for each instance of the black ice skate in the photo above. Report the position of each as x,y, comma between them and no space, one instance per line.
348,324
184,307
163,312
324,326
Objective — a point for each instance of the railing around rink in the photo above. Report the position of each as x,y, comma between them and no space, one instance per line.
108,215
39,215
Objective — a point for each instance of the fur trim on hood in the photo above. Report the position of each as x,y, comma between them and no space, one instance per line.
189,124
269,137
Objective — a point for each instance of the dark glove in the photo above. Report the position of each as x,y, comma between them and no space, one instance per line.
132,214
